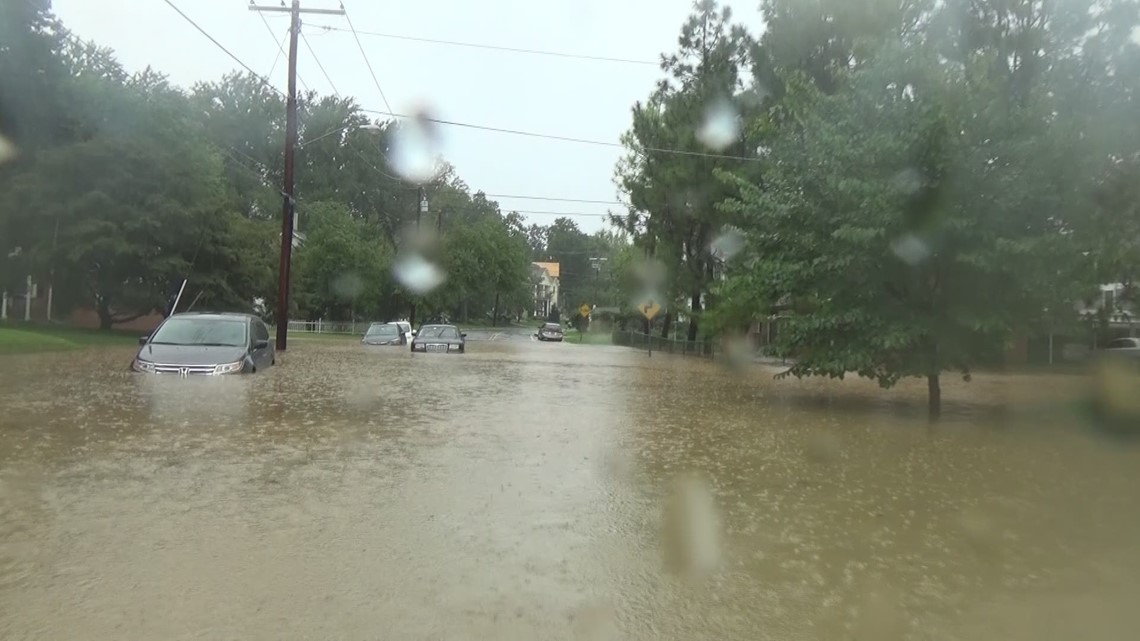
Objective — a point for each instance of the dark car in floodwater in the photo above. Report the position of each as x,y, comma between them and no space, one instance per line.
206,344
385,334
549,332
439,338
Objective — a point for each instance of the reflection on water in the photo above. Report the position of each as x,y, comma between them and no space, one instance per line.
518,492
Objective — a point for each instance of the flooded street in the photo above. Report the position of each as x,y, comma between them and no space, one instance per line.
516,493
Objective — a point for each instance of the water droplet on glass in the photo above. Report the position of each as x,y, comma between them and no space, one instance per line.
879,615
908,181
594,622
650,273
823,447
347,286
728,244
979,529
1116,394
417,274
691,530
415,153
7,150
911,249
720,127
739,352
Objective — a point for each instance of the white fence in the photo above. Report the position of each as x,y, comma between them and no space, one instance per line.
327,327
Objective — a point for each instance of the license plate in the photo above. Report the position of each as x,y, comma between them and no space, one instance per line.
437,348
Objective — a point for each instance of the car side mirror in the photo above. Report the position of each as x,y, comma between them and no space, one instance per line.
143,340
464,335
260,343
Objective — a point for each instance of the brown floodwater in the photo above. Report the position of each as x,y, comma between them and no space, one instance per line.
519,492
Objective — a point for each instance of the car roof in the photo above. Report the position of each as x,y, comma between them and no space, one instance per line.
437,325
215,315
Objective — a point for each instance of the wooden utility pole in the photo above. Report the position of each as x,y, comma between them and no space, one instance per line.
287,211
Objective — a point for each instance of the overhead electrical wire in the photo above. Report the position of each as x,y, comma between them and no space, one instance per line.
270,85
319,65
473,45
584,141
551,198
223,47
365,55
280,48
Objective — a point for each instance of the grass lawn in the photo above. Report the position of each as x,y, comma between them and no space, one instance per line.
24,339
589,338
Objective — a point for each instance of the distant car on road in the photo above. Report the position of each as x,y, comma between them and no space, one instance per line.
550,332
385,334
407,328
439,338
206,343
1124,347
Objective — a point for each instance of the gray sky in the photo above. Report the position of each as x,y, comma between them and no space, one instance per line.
545,94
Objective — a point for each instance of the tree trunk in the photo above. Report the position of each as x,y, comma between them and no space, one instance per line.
495,312
667,325
465,317
106,318
934,397
696,307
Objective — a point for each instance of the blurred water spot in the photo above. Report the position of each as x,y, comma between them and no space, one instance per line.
691,530
650,272
416,274
728,244
823,447
347,286
908,181
7,150
879,616
594,622
979,529
416,147
1116,394
911,249
738,351
720,127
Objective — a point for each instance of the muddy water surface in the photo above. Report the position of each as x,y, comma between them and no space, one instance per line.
516,493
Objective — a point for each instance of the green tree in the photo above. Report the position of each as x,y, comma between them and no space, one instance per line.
674,197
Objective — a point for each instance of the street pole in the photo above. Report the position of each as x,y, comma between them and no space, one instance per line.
28,301
421,209
289,203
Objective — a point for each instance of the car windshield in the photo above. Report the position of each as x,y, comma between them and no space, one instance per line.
201,331
438,331
383,330
552,327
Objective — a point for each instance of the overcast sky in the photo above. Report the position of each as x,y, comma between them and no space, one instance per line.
545,94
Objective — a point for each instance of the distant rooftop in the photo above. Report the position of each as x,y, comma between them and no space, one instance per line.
551,268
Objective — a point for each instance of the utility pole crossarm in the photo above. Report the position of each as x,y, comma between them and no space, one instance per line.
329,12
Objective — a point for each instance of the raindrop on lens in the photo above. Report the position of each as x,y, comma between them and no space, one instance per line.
7,150
347,286
416,274
691,529
720,127
415,152
911,249
728,244
908,181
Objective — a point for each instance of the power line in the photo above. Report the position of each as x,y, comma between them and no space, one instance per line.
280,48
551,198
223,48
584,141
473,45
319,65
554,213
365,55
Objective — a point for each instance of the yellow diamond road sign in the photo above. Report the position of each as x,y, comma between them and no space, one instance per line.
649,309
584,309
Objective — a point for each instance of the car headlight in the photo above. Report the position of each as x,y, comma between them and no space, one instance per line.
452,346
143,366
229,368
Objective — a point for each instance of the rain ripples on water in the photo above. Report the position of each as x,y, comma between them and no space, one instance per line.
558,491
